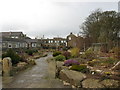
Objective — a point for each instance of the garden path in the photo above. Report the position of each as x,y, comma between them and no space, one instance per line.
34,77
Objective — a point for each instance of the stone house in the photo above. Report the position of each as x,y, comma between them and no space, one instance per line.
32,43
78,41
13,43
55,43
17,35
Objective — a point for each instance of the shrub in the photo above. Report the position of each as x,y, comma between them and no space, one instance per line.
71,62
12,54
31,62
75,52
29,52
67,54
93,62
56,53
82,68
116,50
89,54
60,58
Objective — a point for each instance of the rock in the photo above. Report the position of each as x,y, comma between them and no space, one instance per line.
31,62
59,67
110,83
36,57
7,66
91,83
73,86
65,83
21,65
72,77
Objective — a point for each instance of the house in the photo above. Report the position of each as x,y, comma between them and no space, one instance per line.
13,43
77,41
13,40
32,43
55,43
16,35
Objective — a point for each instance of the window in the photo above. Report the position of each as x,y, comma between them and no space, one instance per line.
33,44
51,41
69,38
62,41
9,45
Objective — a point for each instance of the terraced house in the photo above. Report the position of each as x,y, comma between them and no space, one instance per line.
13,40
55,43
20,40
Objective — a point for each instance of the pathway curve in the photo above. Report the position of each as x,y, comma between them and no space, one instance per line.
34,77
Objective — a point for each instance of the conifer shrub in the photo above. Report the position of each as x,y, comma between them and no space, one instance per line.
82,68
60,58
89,54
13,55
67,54
56,53
75,52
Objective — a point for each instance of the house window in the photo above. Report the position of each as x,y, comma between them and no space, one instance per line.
33,44
69,38
51,41
10,46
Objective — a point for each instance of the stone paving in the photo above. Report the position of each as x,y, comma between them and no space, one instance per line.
34,77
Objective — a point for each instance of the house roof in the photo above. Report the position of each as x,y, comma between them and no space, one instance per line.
31,40
13,39
7,34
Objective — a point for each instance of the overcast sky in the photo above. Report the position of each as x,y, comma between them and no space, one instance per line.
49,18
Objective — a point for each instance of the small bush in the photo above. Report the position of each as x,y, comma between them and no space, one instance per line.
12,54
82,68
75,52
56,53
71,62
31,62
67,54
29,52
89,54
60,58
116,51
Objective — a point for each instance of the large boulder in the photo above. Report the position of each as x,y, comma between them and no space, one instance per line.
110,83
72,77
91,83
59,67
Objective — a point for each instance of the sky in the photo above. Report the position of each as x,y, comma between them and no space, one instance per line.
51,18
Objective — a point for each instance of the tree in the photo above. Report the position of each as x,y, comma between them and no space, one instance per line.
102,26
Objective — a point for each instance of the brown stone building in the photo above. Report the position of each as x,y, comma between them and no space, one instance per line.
55,43
78,41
